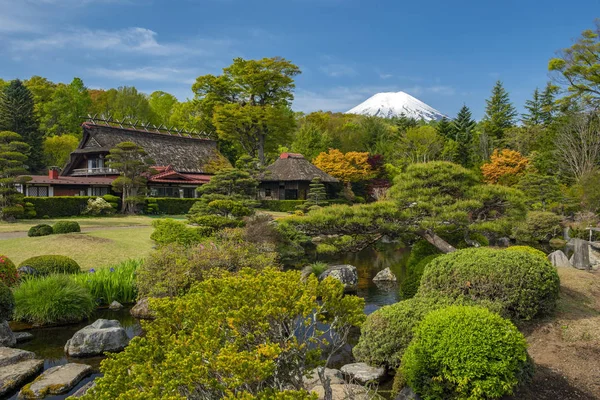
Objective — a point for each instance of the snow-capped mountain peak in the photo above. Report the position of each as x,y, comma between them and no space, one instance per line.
395,104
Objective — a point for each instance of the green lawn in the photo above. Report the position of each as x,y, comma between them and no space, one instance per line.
90,250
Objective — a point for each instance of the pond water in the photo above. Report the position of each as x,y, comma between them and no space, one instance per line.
48,343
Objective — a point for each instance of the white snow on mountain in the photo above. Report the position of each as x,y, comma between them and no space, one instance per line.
395,104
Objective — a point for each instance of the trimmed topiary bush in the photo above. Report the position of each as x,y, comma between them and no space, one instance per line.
8,271
524,284
168,231
528,249
40,230
66,227
53,299
50,264
7,303
463,352
59,206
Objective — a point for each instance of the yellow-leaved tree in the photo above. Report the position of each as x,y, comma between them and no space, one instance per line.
350,167
505,167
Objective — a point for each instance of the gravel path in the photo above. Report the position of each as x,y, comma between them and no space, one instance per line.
16,235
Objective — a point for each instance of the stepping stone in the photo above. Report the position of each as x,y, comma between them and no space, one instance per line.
55,380
344,391
23,336
15,375
313,379
363,373
9,356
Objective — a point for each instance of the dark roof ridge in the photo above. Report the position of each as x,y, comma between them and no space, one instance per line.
149,131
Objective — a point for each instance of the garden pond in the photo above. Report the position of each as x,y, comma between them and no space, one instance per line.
48,343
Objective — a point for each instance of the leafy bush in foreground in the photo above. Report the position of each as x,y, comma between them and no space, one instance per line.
52,299
51,264
8,271
528,249
463,352
66,227
40,230
539,226
524,284
410,285
7,302
229,337
112,283
171,231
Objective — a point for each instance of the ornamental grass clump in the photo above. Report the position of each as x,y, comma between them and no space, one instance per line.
52,299
115,283
466,352
525,285
8,271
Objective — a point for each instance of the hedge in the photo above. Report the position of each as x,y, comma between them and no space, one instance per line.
63,206
171,205
52,264
281,205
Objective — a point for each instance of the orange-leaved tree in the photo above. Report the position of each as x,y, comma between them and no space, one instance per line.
505,167
350,167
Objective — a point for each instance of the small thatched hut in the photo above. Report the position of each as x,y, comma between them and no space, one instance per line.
288,178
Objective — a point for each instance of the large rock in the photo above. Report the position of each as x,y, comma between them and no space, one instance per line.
581,254
503,242
10,356
141,310
335,377
407,394
14,375
102,336
84,389
363,373
594,257
115,305
559,259
55,380
347,274
7,337
343,391
385,275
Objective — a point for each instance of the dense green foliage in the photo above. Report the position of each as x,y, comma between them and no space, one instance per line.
172,269
414,272
7,302
168,231
115,283
522,283
133,164
66,227
465,352
52,264
539,226
13,155
281,205
8,271
52,299
528,249
241,327
40,230
64,206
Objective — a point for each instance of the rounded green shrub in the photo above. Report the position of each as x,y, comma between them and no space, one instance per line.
7,303
528,249
8,271
466,352
50,264
66,227
53,299
40,230
414,272
523,284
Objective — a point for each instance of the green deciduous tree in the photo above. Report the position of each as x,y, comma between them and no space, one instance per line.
540,191
500,113
133,165
57,149
162,105
17,114
578,67
13,155
42,90
249,103
63,113
124,102
420,144
310,141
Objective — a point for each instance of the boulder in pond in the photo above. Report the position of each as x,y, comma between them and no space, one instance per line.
55,380
559,259
102,336
335,377
343,391
581,254
15,375
23,336
142,310
347,274
7,337
363,373
385,275
84,389
115,305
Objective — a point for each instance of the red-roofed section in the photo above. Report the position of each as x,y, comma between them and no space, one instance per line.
169,175
283,156
70,180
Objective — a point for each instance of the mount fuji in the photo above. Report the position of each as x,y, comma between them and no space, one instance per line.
395,104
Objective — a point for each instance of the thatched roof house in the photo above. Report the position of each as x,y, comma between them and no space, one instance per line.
289,176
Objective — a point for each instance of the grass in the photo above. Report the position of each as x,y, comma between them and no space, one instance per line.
115,283
91,250
317,268
53,299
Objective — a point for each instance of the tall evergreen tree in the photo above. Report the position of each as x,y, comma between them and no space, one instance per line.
548,104
13,154
445,129
316,194
500,113
534,109
17,114
463,127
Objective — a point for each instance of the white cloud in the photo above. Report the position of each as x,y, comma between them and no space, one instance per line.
338,70
157,74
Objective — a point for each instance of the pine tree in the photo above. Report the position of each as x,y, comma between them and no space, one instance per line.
316,194
534,109
548,104
17,114
445,129
463,127
13,154
500,114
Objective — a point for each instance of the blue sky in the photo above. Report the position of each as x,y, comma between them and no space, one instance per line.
445,53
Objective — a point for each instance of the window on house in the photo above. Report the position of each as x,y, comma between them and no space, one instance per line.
267,192
291,194
94,163
37,191
188,193
99,191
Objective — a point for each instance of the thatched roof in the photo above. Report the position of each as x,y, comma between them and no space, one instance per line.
294,167
182,153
